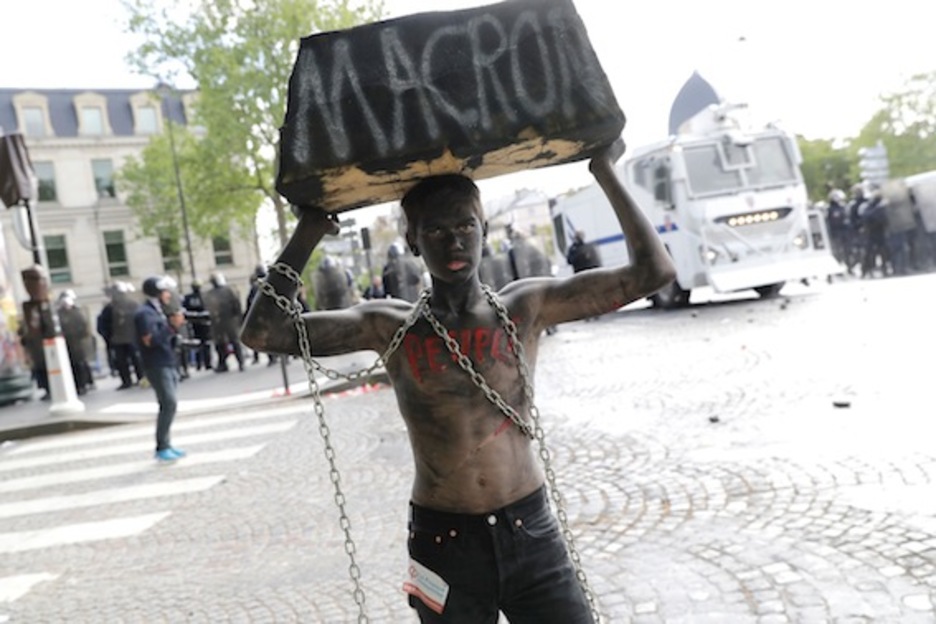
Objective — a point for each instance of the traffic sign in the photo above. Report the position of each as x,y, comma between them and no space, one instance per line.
873,163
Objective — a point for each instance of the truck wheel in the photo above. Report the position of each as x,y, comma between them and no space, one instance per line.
670,297
770,290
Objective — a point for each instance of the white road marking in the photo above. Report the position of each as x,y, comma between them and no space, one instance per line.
123,432
13,587
12,463
124,469
75,534
185,405
109,496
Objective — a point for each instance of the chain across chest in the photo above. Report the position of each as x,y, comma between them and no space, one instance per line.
427,357
531,428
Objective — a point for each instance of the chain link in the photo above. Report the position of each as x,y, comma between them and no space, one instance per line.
284,269
294,313
492,395
533,429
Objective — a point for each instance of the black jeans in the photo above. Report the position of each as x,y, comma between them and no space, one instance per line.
513,560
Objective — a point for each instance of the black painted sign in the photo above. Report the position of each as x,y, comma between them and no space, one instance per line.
483,92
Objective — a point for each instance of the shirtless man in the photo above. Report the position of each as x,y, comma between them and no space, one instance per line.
482,538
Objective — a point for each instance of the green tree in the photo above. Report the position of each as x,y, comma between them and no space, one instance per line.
906,125
212,187
239,54
825,163
150,187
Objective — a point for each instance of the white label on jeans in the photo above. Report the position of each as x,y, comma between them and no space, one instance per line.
426,585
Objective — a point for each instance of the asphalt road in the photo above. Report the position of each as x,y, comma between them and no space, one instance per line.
741,460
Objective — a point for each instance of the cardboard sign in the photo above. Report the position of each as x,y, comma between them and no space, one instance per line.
482,92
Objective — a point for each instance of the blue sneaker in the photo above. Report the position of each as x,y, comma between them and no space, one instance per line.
166,455
179,453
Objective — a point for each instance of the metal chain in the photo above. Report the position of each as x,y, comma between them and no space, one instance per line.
492,395
293,310
287,305
284,269
535,432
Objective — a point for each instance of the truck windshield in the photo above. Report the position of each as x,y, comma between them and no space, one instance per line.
771,165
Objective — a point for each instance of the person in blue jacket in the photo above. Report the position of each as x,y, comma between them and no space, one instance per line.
155,338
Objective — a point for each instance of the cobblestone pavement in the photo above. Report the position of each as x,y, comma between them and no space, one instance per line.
738,461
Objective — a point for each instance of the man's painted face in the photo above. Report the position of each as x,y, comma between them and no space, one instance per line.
450,241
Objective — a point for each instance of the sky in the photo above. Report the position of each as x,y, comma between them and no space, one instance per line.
817,66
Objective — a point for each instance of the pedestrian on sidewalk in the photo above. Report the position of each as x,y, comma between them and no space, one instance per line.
37,325
76,332
479,492
124,306
105,328
157,351
258,274
226,315
526,259
200,322
583,256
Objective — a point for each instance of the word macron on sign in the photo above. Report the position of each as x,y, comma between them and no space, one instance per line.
482,92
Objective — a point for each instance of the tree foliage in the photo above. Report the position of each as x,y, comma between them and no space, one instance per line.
149,183
210,185
239,55
824,163
905,124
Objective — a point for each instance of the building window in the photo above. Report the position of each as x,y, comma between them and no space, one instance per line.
146,120
92,121
171,253
34,121
116,251
57,254
103,177
45,173
222,250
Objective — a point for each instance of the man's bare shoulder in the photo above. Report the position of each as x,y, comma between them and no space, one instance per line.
374,321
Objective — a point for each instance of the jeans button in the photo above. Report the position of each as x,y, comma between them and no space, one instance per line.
492,519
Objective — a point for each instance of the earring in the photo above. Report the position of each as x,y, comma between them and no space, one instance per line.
414,249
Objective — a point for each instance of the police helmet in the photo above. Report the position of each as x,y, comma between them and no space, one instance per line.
156,284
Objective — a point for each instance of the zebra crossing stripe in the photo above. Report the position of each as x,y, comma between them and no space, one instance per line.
187,405
14,587
112,434
113,528
120,470
108,496
8,464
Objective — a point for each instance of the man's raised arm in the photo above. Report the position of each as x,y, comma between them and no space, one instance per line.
266,327
651,267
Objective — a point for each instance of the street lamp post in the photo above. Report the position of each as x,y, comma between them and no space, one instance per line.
165,91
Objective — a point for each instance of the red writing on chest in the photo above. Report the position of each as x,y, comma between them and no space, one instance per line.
428,354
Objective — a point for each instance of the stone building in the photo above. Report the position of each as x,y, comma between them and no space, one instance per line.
77,141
